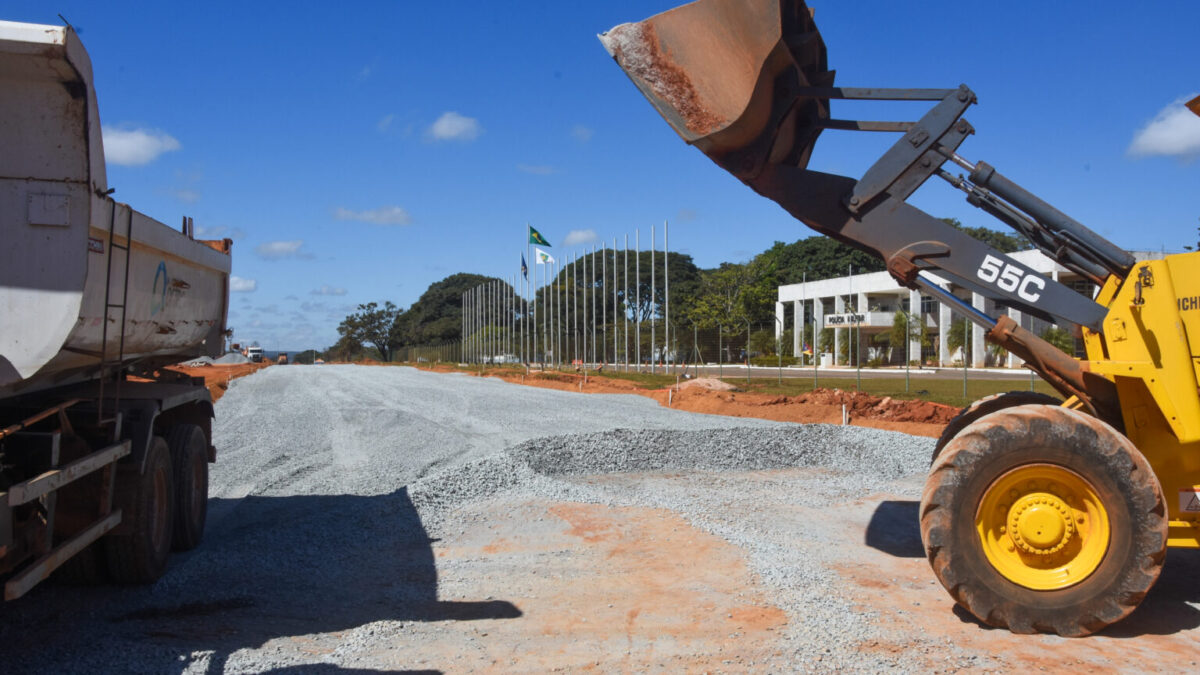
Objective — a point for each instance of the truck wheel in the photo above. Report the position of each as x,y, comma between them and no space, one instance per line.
86,568
189,459
139,555
986,406
1043,519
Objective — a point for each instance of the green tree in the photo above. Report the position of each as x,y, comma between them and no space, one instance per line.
436,317
906,327
373,325
1001,241
959,337
1061,338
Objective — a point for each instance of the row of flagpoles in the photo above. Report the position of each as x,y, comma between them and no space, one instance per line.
500,325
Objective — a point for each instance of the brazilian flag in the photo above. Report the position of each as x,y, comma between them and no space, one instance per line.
536,237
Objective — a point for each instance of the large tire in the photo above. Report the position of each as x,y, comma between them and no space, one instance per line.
189,459
139,554
993,533
986,406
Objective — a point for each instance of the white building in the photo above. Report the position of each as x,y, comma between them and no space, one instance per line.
863,305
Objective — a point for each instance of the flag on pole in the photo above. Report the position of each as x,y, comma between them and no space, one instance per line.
807,350
536,237
524,268
541,257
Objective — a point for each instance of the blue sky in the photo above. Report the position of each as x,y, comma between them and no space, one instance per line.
361,152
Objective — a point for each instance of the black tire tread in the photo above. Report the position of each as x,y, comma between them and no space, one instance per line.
1148,531
186,442
986,406
129,560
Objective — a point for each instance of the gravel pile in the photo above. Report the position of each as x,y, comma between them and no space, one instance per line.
330,484
232,358
525,468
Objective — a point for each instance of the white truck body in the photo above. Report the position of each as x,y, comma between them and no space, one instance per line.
55,217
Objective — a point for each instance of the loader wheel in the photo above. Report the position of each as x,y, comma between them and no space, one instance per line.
1043,519
189,459
986,406
139,554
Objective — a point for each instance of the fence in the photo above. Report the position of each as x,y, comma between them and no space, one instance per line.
747,355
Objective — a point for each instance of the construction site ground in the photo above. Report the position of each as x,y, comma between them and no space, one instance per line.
396,519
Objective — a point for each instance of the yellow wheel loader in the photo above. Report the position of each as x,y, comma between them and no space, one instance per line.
1036,516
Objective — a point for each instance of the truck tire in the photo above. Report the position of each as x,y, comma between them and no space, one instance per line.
139,555
986,406
1043,519
189,460
85,568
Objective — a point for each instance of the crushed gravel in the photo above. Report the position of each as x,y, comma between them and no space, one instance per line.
327,478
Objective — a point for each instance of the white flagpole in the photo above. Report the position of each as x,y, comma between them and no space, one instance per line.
604,300
591,284
653,302
666,296
637,283
614,292
625,314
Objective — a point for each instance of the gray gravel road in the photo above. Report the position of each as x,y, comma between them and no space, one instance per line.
378,518
310,517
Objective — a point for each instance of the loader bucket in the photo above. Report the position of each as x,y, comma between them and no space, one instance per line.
725,74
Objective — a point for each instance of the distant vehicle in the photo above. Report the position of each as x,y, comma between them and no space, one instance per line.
255,354
282,360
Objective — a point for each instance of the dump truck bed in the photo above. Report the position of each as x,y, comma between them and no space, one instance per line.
84,279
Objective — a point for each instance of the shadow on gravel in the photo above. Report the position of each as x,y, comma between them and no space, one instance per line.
292,567
895,529
1166,609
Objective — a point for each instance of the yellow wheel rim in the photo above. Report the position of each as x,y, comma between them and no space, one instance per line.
1043,527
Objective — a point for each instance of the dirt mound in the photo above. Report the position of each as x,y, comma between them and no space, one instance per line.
861,404
708,383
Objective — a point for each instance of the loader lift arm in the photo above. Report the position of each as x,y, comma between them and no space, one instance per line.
747,84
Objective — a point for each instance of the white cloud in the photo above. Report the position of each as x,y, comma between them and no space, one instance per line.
1174,132
384,215
452,126
327,290
582,133
278,250
385,122
136,147
575,237
537,169
240,285
185,195
219,232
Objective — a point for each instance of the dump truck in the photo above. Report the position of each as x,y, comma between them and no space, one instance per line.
1039,514
103,452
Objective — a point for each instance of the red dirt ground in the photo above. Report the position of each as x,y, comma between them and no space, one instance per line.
920,418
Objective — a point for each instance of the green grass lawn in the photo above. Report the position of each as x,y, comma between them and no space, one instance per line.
948,391
938,390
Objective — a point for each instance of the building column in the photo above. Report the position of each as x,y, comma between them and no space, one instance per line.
839,307
1015,315
818,324
914,311
779,319
798,329
978,344
945,317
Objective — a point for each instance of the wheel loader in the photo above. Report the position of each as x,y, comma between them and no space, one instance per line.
1038,515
